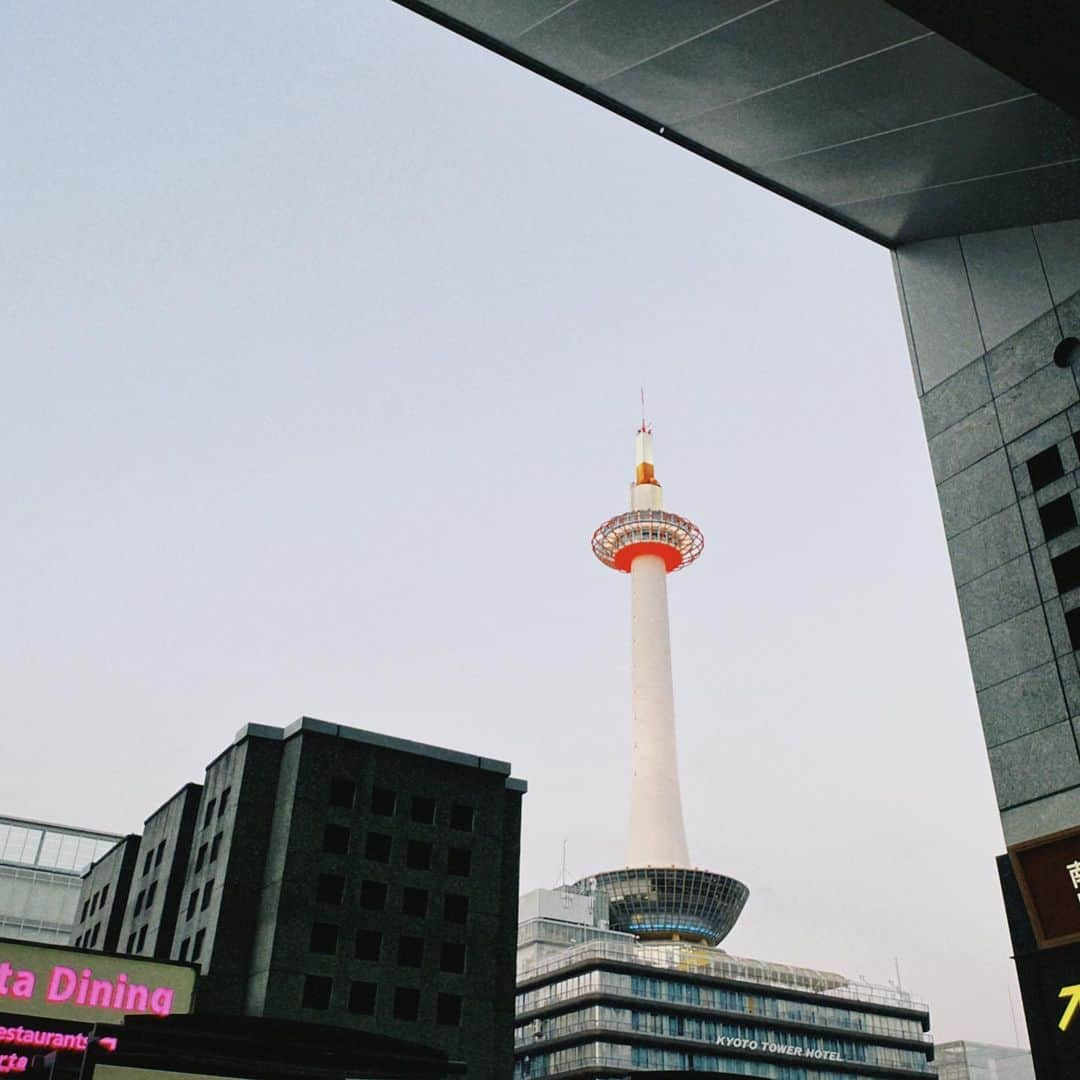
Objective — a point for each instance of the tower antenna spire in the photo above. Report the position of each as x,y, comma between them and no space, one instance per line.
646,428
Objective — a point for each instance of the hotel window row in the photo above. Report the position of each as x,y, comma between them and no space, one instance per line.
368,946
379,847
373,895
99,899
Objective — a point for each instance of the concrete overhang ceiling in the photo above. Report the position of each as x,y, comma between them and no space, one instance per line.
902,121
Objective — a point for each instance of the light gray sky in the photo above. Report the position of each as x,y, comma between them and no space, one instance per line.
321,335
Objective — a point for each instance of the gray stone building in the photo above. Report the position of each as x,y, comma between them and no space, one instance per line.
338,876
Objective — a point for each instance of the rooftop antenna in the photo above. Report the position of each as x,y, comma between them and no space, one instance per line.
646,428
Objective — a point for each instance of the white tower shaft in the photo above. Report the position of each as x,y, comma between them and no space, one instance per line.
657,833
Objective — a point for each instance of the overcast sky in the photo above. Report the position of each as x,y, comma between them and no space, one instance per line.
321,334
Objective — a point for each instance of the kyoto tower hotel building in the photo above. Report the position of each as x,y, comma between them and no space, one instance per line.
619,975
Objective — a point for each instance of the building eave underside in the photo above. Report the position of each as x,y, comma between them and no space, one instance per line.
894,119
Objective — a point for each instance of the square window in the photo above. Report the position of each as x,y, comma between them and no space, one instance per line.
368,945
452,957
184,946
335,840
418,856
378,847
324,938
373,895
223,804
317,991
200,859
159,854
209,815
459,861
1057,517
330,889
192,900
448,1010
1044,468
140,941
196,948
214,847
406,1003
1066,569
462,817
362,998
207,893
423,810
455,908
414,902
383,802
410,951
150,894
342,792
1072,622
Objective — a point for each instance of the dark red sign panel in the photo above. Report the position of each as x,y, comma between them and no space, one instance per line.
1048,872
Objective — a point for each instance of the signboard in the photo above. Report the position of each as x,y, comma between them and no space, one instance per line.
49,983
1048,873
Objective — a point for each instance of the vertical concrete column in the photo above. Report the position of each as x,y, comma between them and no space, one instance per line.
657,833
984,315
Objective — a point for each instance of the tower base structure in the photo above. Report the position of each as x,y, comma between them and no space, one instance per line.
669,903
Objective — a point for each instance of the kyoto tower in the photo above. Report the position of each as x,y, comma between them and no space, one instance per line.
659,896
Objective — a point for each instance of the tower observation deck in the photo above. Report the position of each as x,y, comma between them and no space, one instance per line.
658,895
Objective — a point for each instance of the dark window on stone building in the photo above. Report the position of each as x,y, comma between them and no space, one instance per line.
383,802
414,901
1072,622
368,945
324,938
373,895
214,847
462,817
335,840
139,943
1044,468
423,810
159,854
150,894
200,859
1057,517
207,893
406,1003
104,893
148,862
131,943
418,856
209,815
452,957
192,900
1066,569
448,1010
330,889
410,951
455,908
362,998
378,847
196,947
184,946
139,901
317,991
458,862
222,806
97,930
342,792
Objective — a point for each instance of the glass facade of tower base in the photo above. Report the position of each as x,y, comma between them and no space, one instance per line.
592,1002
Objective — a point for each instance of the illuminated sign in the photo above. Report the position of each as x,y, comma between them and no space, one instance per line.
47,1041
69,984
777,1048
1048,873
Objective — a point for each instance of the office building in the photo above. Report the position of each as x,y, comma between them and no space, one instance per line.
982,1061
41,869
340,877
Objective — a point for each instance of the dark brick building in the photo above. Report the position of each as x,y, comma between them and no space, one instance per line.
335,875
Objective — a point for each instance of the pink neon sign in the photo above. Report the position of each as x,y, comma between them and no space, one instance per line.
66,986
74,1041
